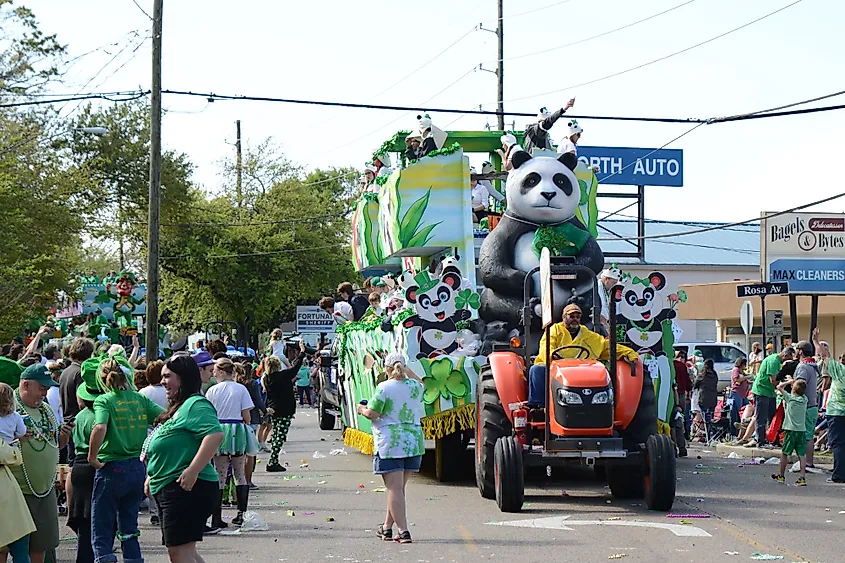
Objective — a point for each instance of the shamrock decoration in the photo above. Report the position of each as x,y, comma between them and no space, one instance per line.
467,298
443,381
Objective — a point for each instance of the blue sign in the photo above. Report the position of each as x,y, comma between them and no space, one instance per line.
635,167
819,276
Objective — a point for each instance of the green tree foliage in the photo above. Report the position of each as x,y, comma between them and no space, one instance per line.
28,58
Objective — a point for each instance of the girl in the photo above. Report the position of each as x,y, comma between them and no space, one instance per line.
121,417
233,405
245,375
396,410
178,456
12,426
281,403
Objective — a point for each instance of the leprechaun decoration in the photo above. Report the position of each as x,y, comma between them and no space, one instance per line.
124,302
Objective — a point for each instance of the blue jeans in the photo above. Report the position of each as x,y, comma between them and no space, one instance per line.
118,492
19,550
836,440
738,402
537,385
766,407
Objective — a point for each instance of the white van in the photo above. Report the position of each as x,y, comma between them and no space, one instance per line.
723,354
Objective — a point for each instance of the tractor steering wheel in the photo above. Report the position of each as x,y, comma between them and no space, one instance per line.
581,350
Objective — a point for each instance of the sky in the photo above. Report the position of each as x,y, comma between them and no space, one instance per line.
354,51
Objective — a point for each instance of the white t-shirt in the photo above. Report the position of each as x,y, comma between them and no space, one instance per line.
54,399
229,398
482,191
605,308
567,146
11,427
343,312
155,393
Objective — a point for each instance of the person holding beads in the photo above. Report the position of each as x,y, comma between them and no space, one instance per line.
121,416
178,456
281,402
233,405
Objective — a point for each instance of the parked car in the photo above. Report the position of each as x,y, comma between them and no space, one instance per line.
723,354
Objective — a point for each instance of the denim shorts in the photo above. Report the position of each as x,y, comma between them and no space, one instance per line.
389,465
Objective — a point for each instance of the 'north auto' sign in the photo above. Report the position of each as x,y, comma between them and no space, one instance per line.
635,166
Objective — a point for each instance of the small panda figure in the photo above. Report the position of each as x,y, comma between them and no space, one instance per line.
436,314
542,196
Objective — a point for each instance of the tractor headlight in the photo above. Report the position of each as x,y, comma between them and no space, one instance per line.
565,397
603,397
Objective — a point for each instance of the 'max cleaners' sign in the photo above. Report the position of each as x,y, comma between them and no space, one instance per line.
635,166
805,249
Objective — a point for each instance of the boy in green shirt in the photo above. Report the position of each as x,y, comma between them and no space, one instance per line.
795,411
764,393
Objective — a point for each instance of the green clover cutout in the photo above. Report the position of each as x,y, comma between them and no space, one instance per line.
682,296
467,298
442,381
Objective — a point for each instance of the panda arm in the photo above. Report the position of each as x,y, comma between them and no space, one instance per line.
666,314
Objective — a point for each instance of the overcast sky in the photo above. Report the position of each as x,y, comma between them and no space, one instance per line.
352,51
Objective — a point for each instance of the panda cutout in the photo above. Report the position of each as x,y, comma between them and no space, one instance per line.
436,316
643,307
542,197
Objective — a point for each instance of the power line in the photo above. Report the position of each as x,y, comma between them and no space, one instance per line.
249,254
137,95
143,11
615,74
540,9
580,41
252,223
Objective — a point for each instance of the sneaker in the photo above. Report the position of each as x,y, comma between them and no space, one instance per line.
801,482
210,531
778,477
768,447
751,443
814,469
275,468
830,480
154,520
252,486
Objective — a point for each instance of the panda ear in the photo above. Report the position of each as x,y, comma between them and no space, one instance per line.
569,160
658,280
452,279
411,294
518,158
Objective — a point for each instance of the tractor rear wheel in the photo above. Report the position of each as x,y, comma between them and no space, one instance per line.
625,481
509,476
644,423
491,423
659,473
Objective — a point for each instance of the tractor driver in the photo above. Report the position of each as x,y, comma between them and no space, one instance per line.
570,333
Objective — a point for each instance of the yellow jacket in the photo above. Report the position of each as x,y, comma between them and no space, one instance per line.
598,345
17,521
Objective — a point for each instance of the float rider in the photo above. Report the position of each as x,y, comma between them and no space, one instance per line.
537,134
570,332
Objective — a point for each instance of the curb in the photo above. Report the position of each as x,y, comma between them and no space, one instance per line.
751,453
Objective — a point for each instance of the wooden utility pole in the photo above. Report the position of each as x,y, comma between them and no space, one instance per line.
151,340
500,32
239,166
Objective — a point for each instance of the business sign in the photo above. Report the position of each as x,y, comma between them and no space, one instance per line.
635,166
761,289
807,250
310,318
774,321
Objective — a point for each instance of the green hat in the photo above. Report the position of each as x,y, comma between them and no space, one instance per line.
425,282
39,373
377,282
698,353
90,388
10,372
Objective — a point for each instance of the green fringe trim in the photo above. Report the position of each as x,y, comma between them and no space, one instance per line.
359,440
448,422
452,149
367,325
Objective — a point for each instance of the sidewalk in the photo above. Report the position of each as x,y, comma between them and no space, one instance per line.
823,461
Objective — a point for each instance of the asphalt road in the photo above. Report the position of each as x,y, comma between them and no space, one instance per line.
569,517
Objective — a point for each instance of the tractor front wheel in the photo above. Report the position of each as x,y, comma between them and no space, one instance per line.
660,473
509,476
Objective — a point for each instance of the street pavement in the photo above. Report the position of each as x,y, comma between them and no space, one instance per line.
567,517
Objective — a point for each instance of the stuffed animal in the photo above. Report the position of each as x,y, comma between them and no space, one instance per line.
542,195
436,315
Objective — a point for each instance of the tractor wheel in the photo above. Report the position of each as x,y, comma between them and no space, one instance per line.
509,481
644,423
327,420
449,455
659,473
491,423
625,481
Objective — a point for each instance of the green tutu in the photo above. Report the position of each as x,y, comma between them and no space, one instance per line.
238,439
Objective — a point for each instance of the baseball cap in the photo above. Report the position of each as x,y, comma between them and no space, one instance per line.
40,374
203,359
769,346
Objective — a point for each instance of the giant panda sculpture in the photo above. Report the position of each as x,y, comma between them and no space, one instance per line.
542,195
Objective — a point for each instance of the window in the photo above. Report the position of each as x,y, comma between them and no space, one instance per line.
721,354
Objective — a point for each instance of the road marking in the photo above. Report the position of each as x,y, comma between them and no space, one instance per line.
564,523
737,532
468,539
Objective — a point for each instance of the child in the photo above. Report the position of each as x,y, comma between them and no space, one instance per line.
12,426
795,412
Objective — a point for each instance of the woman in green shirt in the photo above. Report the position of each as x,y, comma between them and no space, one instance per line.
121,416
178,456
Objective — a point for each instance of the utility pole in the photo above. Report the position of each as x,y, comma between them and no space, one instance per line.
151,340
500,32
239,166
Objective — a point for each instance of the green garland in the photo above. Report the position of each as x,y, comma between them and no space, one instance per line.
382,180
368,326
370,196
452,149
388,144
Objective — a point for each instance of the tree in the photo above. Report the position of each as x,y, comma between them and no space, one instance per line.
28,58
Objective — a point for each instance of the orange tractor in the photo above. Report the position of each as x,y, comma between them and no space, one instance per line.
599,415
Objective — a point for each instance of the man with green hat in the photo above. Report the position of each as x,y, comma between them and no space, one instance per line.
36,476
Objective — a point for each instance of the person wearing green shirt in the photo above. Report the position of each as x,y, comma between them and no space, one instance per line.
835,412
178,456
764,392
121,417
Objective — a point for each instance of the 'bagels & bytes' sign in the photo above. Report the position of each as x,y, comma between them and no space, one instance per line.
805,249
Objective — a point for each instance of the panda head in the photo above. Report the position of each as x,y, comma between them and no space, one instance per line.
643,301
543,189
437,303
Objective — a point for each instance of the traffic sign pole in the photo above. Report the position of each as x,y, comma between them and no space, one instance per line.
763,318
